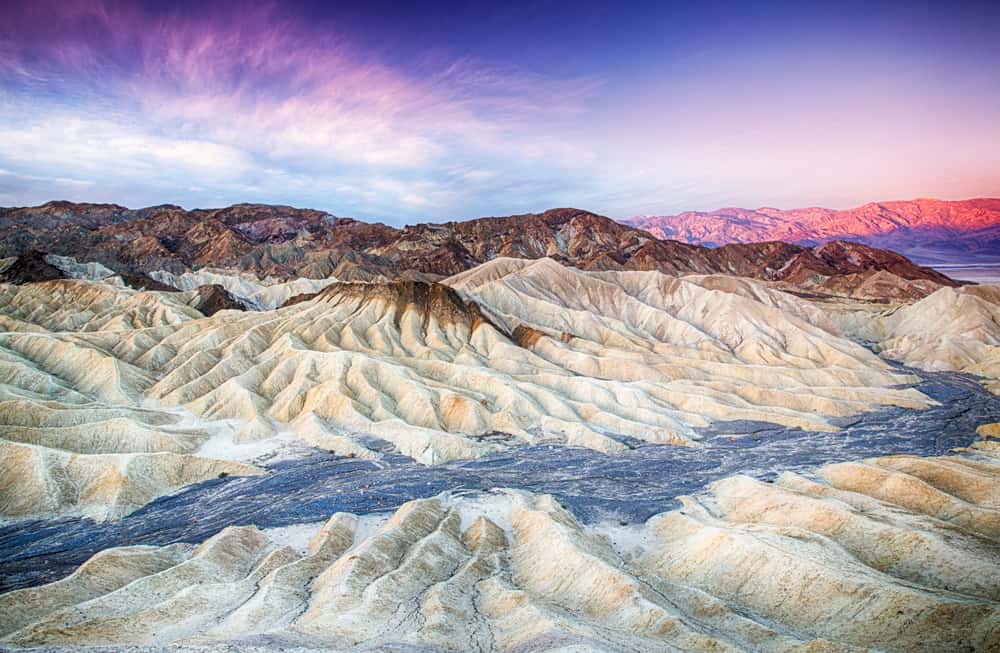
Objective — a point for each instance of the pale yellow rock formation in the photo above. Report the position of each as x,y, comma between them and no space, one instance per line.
532,349
72,305
953,329
266,294
356,360
989,430
41,482
76,434
897,554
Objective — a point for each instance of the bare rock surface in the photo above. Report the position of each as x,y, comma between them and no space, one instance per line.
952,329
210,299
306,485
76,437
256,242
147,431
28,268
892,553
533,350
261,294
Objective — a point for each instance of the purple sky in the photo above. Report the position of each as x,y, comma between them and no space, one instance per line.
408,112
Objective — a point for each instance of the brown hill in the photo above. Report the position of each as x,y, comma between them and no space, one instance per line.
288,242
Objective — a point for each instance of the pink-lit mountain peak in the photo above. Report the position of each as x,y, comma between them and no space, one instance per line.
926,228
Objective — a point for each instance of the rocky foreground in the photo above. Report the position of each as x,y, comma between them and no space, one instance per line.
897,553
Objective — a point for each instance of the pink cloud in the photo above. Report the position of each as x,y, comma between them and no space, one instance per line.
273,100
269,82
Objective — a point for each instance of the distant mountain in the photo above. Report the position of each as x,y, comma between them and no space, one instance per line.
927,230
285,242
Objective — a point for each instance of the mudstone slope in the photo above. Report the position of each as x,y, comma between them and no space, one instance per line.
530,350
894,553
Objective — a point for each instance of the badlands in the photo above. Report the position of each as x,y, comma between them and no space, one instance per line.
101,380
892,553
589,446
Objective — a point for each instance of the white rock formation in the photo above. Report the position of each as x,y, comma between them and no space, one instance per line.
953,329
528,348
70,305
91,270
75,436
40,481
264,294
897,554
643,355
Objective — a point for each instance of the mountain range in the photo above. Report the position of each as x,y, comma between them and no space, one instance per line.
926,230
288,243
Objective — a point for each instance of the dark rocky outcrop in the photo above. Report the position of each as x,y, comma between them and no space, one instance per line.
140,281
213,298
29,268
298,299
429,299
526,336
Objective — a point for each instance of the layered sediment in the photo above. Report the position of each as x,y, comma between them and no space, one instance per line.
896,553
532,350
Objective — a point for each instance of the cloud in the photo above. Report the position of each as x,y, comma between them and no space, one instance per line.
216,103
88,146
204,102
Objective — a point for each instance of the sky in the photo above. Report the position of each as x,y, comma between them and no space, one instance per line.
417,111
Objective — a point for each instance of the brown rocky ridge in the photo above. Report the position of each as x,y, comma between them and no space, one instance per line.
213,298
428,299
29,268
285,242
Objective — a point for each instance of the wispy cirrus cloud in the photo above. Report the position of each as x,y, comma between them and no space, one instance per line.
111,91
390,110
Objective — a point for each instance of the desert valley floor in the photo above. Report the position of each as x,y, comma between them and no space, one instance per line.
571,449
